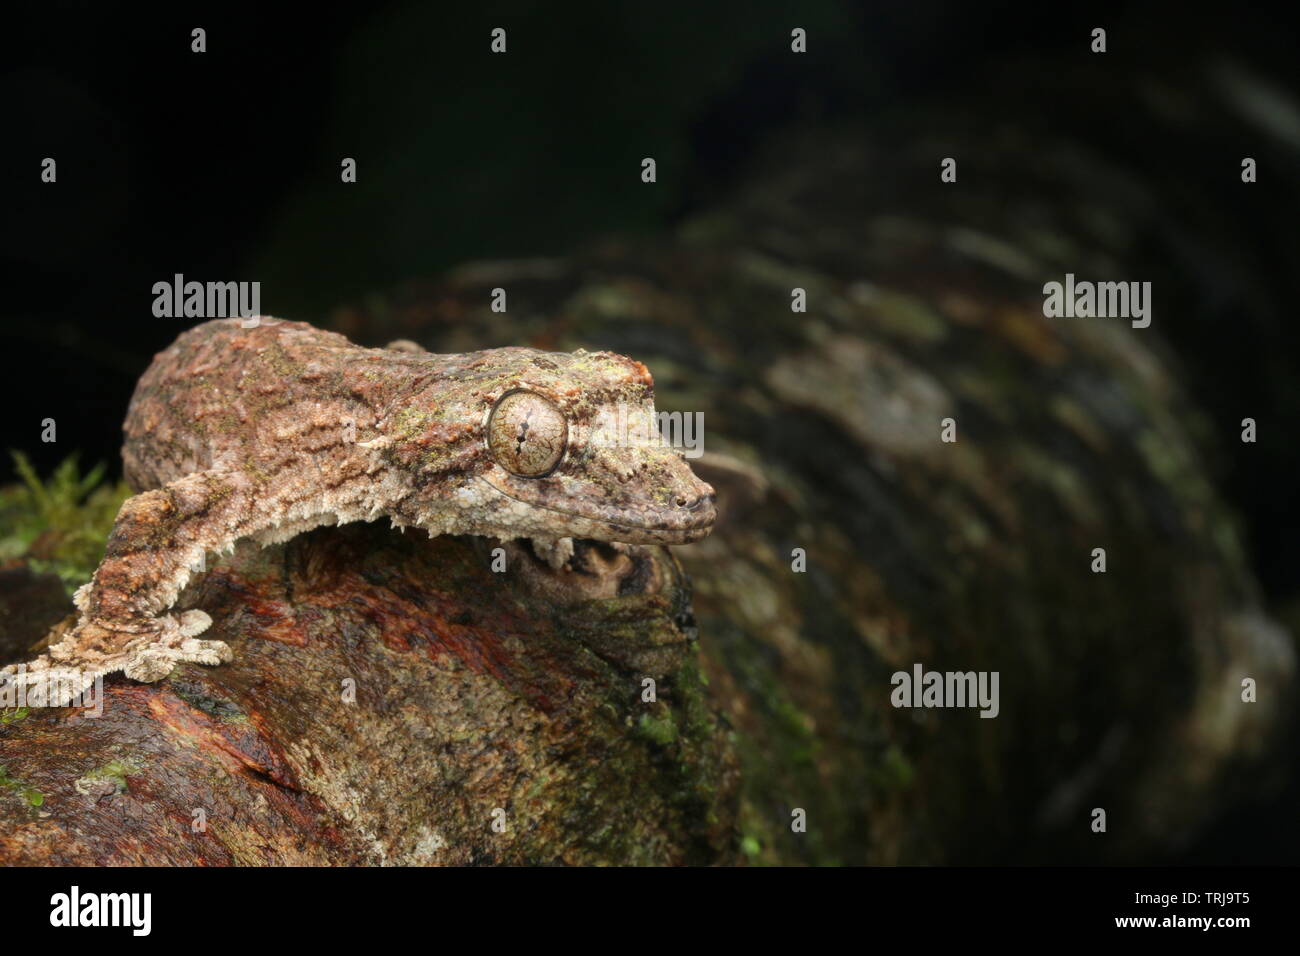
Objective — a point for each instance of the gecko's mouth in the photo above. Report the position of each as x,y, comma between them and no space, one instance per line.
636,523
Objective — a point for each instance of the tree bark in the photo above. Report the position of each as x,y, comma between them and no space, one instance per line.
394,700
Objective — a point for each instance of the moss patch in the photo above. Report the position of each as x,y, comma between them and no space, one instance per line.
30,795
113,774
58,524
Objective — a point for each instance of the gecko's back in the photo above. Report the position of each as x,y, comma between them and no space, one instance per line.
221,391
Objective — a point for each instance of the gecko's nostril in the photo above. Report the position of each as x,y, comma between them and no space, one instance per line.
693,505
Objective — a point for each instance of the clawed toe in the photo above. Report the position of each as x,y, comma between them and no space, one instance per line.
205,652
155,661
150,664
195,622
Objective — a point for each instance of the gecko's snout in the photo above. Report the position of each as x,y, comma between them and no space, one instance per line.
695,513
697,503
632,494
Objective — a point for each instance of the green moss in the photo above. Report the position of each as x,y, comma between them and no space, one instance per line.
58,524
255,471
281,362
895,771
31,795
115,771
662,730
409,422
779,767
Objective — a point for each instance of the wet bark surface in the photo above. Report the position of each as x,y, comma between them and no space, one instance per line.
394,701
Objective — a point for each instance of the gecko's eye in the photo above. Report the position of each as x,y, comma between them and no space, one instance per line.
527,434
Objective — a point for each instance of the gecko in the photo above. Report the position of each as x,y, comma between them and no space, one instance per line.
265,432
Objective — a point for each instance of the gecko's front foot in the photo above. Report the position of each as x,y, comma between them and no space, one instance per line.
145,652
155,660
172,643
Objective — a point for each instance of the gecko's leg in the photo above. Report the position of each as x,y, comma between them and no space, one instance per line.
158,538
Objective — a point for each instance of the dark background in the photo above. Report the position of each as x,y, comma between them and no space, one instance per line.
225,166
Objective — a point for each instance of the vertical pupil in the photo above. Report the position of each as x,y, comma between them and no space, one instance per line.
527,434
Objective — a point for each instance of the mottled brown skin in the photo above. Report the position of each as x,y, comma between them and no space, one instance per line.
269,431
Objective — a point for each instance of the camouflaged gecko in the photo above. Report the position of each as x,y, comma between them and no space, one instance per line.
267,432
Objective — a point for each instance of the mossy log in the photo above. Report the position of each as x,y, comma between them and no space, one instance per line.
394,700
503,717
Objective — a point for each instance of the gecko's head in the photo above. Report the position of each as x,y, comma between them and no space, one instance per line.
567,445
575,440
